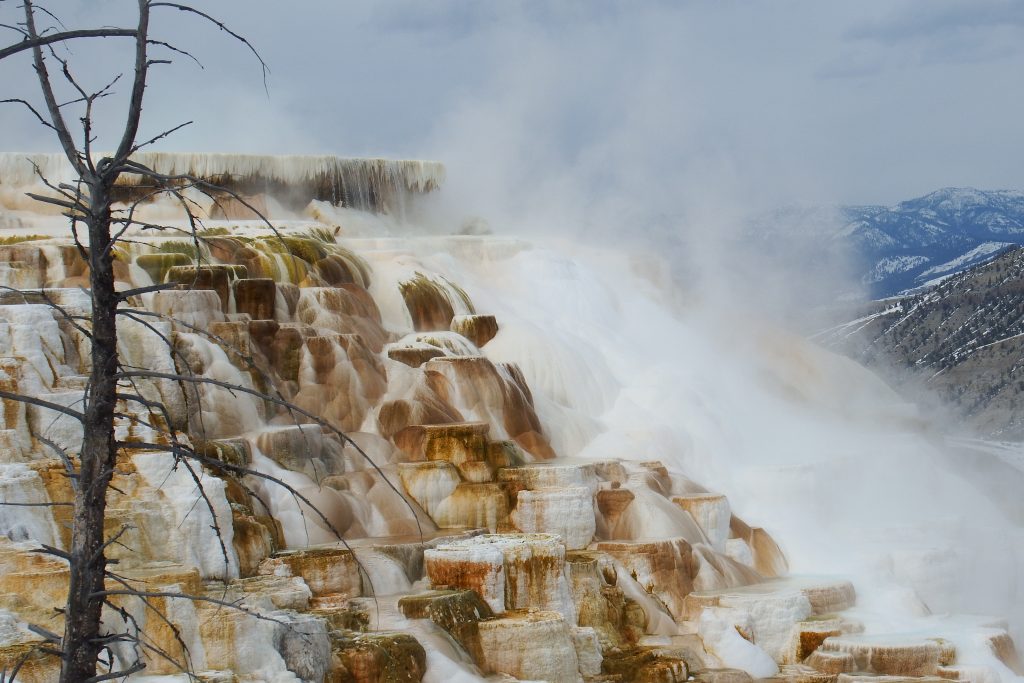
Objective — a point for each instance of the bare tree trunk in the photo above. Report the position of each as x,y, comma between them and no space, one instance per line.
81,644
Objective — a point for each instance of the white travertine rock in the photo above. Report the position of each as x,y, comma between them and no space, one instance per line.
475,565
15,437
568,512
737,549
664,568
534,572
429,483
772,617
559,473
715,571
535,646
776,607
186,308
145,346
712,513
652,516
722,639
24,515
473,505
327,569
31,332
588,650
888,655
62,429
194,537
509,571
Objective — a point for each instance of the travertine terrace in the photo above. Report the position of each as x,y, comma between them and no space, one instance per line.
481,541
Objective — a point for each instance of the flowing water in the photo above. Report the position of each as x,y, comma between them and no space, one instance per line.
644,395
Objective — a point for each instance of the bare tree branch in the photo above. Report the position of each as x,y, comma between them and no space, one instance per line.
32,43
223,27
56,118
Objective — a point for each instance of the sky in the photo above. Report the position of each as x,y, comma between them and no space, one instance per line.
706,103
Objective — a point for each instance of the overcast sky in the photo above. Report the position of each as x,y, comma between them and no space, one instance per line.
870,101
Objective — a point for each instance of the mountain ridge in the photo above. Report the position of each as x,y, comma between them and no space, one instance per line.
911,244
962,338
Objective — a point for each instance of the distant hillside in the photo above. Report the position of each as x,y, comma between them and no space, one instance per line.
963,337
913,244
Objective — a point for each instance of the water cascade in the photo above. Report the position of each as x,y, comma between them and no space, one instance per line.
558,477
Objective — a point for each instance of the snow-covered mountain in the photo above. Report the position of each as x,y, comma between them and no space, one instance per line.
964,339
915,243
921,240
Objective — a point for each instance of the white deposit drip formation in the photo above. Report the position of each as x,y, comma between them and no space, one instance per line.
573,477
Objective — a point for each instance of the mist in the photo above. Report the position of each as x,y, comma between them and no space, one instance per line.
632,149
610,135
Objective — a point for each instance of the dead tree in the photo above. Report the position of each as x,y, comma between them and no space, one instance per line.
96,225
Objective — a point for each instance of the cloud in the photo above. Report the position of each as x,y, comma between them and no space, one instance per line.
929,19
942,32
662,102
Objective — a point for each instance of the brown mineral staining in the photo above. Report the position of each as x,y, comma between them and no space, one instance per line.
239,208
233,337
346,309
341,614
532,577
327,570
255,297
611,503
478,329
334,270
300,308
481,506
890,657
643,665
423,408
458,612
229,451
832,663
156,265
26,265
769,560
430,304
34,665
1005,650
302,448
59,490
827,597
600,604
502,454
255,539
768,557
228,249
800,673
665,568
947,651
456,442
722,676
380,657
214,277
290,294
280,346
32,584
463,572
536,444
414,357
810,639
